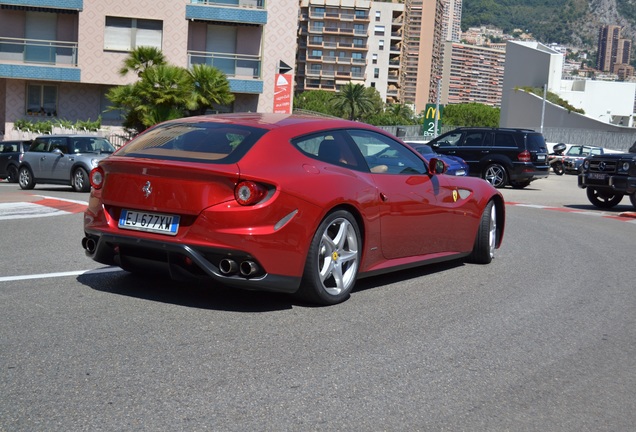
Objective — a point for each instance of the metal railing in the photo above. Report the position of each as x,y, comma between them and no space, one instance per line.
238,3
232,65
38,51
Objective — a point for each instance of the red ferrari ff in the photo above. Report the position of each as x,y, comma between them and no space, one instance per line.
286,203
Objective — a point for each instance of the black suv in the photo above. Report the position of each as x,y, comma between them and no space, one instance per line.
609,177
500,156
10,152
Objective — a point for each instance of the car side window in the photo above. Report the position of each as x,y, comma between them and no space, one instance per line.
384,155
331,147
473,139
59,144
40,145
503,139
450,140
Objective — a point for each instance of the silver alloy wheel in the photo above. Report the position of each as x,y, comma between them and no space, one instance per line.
79,180
338,256
24,177
492,232
495,175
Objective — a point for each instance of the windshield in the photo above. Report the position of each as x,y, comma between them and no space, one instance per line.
203,142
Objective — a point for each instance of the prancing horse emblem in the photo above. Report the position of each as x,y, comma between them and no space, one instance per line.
147,189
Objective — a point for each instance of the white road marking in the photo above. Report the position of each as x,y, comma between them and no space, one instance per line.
60,274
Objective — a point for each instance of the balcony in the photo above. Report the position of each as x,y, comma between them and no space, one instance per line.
238,11
243,71
38,59
77,5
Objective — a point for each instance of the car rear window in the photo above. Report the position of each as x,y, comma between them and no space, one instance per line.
536,142
202,142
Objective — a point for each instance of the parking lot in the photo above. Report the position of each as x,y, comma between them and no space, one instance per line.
541,339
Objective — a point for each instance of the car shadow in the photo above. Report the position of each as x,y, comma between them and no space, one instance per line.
621,208
202,295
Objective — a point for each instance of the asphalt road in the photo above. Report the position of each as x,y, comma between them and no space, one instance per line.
544,338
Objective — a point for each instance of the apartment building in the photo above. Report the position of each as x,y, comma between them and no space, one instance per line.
422,53
58,58
472,74
452,21
612,48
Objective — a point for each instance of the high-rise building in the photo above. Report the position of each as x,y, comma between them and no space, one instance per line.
357,41
59,58
472,73
421,54
612,49
451,24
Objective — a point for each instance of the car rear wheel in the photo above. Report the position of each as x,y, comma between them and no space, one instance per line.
25,178
12,174
79,181
602,199
632,199
333,260
486,241
496,175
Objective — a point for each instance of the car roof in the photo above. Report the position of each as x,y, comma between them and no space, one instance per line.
273,121
70,136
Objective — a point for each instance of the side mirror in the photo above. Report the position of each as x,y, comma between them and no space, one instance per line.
435,144
437,166
58,152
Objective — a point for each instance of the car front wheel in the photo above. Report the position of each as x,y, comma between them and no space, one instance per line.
333,260
602,199
496,175
25,178
12,174
80,181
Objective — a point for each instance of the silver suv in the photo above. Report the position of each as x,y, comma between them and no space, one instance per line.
63,160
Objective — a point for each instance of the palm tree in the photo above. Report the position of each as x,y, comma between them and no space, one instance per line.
353,99
141,58
165,92
209,87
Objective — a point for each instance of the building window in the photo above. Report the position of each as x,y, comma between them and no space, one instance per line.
374,59
41,100
361,13
376,73
319,11
381,44
358,43
379,30
377,15
126,34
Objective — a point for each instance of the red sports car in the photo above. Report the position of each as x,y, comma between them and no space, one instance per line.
286,203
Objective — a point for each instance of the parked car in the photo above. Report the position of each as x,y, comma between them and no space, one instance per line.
10,152
576,154
63,160
501,156
607,178
456,165
293,204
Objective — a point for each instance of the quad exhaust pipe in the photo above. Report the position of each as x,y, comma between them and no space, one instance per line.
246,268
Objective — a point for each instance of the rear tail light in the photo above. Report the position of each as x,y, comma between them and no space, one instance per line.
96,178
525,156
248,193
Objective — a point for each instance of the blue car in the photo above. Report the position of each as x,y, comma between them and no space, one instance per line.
456,165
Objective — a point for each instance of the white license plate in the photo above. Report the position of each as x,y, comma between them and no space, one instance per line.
150,222
596,176
540,158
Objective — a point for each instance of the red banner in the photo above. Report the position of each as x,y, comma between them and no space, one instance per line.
282,94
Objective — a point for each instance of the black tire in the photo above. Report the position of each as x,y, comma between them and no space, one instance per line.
603,199
12,174
558,169
333,260
496,175
632,199
79,180
520,184
25,178
486,240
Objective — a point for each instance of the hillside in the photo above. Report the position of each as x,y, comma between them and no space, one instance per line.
572,22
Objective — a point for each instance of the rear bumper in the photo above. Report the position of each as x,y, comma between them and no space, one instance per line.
525,171
183,261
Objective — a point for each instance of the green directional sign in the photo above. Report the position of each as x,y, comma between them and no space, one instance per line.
429,119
